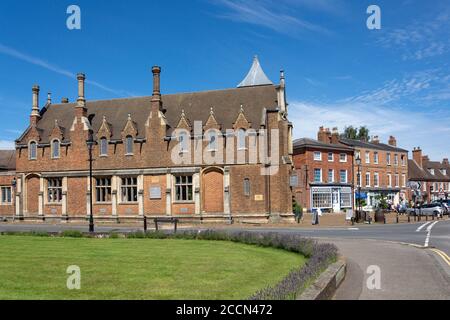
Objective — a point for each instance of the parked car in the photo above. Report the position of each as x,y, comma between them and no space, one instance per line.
445,206
427,210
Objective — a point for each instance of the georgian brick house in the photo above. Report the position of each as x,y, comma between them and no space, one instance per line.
433,177
135,173
324,169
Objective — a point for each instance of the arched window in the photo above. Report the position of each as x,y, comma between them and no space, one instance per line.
241,139
33,151
212,140
55,149
183,140
129,144
103,147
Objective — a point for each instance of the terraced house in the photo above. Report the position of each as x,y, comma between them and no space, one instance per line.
433,177
383,170
146,159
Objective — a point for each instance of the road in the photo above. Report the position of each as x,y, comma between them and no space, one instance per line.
412,258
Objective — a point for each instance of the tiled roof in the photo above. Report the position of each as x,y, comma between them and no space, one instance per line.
415,173
370,145
7,160
307,142
225,103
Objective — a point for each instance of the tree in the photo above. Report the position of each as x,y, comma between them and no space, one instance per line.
350,133
363,133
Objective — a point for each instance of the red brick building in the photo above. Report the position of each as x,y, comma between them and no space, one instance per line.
324,169
7,182
147,160
433,177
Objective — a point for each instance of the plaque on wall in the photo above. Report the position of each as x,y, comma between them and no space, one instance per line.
155,193
259,197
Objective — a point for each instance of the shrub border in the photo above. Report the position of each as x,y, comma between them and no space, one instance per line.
320,255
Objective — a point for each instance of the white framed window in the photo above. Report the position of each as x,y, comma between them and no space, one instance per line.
388,159
242,137
343,176
330,175
103,147
367,156
184,189
375,157
330,157
129,143
317,156
343,157
376,179
129,189
403,157
397,180
6,195
54,190
32,154
317,175
183,141
389,180
395,159
403,180
431,171
444,172
55,149
103,190
367,179
357,154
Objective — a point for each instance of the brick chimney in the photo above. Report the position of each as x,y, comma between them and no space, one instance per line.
375,139
65,100
335,135
80,109
445,162
156,97
35,115
417,156
324,135
392,141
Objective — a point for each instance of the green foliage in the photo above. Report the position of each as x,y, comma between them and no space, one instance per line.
72,234
351,132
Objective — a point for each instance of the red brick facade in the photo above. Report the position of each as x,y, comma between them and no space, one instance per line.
135,143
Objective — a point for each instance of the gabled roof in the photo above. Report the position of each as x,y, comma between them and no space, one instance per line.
307,142
227,104
415,173
256,76
437,166
7,160
370,145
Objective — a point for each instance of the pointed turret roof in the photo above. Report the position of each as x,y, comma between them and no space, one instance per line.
256,76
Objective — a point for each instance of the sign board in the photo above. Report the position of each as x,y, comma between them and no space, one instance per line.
294,181
259,197
155,192
415,185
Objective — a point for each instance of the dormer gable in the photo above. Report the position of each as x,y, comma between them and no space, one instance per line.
130,128
184,122
212,123
241,120
105,130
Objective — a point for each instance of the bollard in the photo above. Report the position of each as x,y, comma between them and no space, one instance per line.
384,219
145,223
397,218
432,217
426,217
409,218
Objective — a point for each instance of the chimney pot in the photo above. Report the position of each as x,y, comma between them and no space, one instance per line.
81,77
65,100
156,70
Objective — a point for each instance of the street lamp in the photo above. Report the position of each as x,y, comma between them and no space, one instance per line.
90,143
358,181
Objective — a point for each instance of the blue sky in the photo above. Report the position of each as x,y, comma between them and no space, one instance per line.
395,80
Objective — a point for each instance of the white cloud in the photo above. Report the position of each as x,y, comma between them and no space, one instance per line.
41,63
429,130
7,145
269,14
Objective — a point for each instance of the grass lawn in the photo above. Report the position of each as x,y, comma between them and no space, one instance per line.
35,268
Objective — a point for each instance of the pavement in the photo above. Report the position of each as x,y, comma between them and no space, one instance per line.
412,259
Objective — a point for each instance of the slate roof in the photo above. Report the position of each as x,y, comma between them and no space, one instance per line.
370,145
226,105
415,173
307,142
7,160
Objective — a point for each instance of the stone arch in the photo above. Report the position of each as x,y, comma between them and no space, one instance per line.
212,190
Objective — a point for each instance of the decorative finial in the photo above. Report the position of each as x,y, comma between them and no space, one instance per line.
242,108
104,118
129,117
56,122
211,112
182,113
49,97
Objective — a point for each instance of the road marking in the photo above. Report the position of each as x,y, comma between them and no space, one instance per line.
422,226
443,255
427,240
352,228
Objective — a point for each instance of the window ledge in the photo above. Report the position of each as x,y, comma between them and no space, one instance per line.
128,203
184,202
